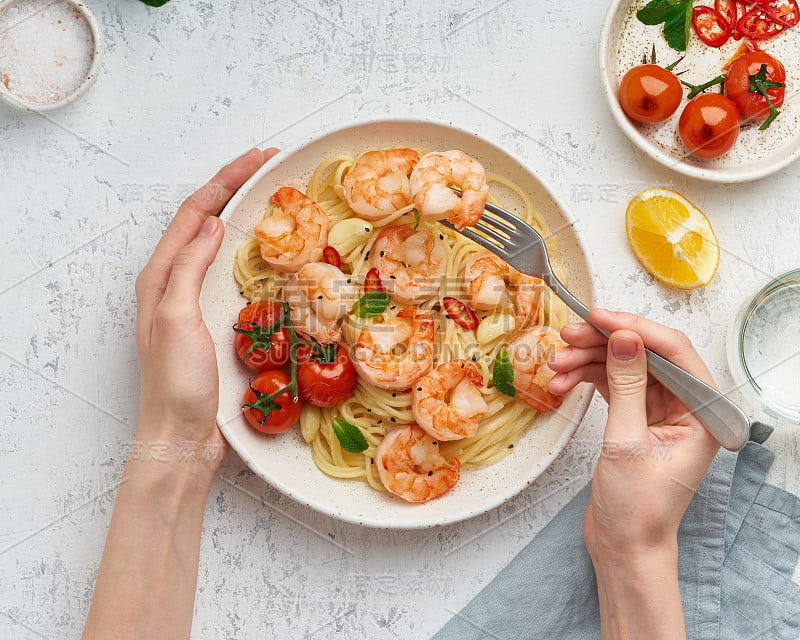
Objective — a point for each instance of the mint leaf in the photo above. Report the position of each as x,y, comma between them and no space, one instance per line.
349,435
503,374
676,28
655,12
371,304
675,14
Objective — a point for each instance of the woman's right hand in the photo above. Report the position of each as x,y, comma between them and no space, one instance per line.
655,452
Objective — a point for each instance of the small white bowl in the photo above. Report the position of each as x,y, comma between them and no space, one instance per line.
97,57
623,41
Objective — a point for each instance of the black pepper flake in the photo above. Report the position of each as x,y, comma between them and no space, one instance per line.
392,419
372,460
394,395
447,316
366,229
441,237
319,297
419,388
366,257
349,281
511,446
369,410
393,307
434,442
430,473
393,277
383,253
474,358
380,421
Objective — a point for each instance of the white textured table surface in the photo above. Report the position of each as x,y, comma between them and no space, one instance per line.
86,192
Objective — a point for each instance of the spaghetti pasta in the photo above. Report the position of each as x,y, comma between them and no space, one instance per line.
376,411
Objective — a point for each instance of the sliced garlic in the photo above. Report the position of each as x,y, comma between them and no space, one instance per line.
348,234
494,326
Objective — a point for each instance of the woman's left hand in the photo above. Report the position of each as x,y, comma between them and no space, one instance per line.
180,382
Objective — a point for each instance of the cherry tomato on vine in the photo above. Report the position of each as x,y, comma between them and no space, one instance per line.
256,346
326,375
649,93
271,414
737,84
709,125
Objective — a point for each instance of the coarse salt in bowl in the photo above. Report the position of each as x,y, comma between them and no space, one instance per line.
50,53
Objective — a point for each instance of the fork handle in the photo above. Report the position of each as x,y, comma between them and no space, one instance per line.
722,417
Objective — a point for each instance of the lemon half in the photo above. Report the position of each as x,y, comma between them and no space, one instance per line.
672,238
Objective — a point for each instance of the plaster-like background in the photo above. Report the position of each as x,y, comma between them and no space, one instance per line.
86,192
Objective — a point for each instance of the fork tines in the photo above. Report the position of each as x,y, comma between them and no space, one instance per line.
498,230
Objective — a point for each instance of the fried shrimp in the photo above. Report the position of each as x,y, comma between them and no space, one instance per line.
319,294
493,283
377,184
432,181
394,353
411,263
411,467
447,402
529,353
294,231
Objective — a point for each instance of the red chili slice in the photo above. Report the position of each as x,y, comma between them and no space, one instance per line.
372,281
460,313
784,12
331,256
710,26
730,11
756,24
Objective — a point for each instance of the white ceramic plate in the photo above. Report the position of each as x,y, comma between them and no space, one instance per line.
285,460
623,42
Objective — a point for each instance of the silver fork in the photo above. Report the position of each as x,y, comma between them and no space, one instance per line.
519,244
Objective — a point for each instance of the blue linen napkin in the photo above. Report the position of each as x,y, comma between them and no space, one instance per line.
738,546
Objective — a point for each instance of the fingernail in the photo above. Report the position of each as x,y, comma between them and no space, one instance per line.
603,312
210,226
573,326
623,349
558,379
